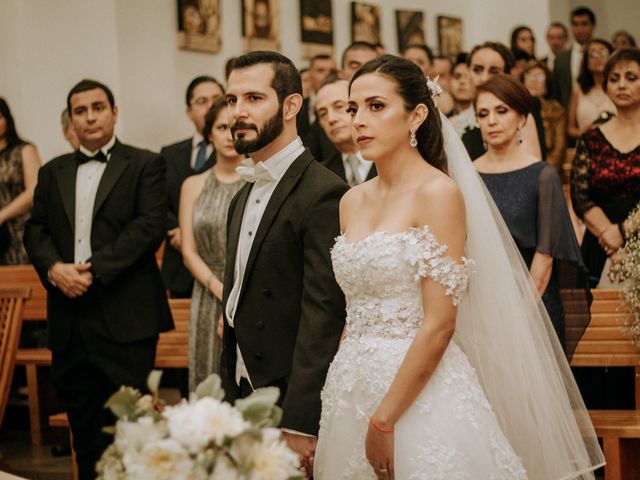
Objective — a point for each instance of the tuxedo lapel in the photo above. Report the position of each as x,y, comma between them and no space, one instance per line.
66,178
115,166
280,194
233,235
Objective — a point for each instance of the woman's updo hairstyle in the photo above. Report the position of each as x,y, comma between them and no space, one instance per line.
411,85
508,90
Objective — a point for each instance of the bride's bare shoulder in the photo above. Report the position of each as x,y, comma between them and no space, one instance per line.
438,199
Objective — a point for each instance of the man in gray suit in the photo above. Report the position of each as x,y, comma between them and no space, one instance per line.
567,64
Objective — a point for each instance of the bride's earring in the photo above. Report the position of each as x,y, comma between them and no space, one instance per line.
412,141
484,144
519,139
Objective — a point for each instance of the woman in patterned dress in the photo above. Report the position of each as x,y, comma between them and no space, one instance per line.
605,176
19,164
204,201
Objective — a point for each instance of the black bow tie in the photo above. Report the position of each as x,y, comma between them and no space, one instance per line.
83,158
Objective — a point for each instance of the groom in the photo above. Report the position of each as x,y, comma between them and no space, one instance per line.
284,312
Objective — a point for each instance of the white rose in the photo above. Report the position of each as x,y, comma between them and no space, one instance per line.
224,470
269,459
162,460
133,436
196,424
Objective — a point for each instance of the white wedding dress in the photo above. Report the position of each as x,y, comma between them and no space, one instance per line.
450,432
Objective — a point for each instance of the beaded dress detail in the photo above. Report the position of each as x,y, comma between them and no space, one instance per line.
450,431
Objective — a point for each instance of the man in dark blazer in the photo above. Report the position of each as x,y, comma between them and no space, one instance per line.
332,101
566,67
284,312
98,217
185,158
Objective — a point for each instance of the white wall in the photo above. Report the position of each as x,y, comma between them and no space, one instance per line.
48,45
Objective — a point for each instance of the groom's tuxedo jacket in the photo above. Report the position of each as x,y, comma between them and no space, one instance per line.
290,312
129,219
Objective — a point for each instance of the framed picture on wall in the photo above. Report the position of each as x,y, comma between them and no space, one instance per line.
316,27
261,24
365,22
199,25
450,36
410,28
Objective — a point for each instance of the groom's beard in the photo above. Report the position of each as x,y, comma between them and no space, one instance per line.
271,130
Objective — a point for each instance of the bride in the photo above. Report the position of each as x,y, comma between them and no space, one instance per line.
448,367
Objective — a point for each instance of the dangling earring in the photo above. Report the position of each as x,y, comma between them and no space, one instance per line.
519,139
484,144
412,141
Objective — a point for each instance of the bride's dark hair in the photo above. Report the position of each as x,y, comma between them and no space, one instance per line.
412,87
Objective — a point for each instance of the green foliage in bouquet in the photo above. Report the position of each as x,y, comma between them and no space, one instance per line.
199,438
626,269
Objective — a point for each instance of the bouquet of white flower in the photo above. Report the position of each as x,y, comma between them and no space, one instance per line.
202,438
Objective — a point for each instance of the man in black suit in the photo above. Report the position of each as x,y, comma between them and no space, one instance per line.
332,101
557,37
185,158
284,312
98,217
567,64
320,67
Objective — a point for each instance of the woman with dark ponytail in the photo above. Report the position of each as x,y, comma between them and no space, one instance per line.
426,334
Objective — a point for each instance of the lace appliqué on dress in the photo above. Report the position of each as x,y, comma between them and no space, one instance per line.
424,251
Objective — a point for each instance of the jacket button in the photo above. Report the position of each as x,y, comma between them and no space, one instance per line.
260,324
266,292
258,355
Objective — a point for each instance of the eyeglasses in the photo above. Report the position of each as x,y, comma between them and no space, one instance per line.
598,53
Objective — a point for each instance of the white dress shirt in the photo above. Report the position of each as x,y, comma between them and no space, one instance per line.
362,168
272,170
88,178
195,145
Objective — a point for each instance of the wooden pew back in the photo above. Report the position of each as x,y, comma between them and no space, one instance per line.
25,276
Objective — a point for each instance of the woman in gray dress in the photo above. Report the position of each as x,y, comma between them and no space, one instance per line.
204,201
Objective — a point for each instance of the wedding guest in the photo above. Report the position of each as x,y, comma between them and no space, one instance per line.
204,201
69,133
354,56
284,312
623,39
528,193
589,102
331,108
320,67
462,89
442,69
522,38
538,81
567,63
184,158
99,215
557,36
19,164
521,58
605,177
485,61
422,56
306,84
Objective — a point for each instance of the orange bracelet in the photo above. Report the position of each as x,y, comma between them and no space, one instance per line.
379,427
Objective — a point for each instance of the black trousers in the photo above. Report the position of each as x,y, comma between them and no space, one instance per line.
88,372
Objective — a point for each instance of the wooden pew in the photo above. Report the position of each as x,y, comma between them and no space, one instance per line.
605,345
35,308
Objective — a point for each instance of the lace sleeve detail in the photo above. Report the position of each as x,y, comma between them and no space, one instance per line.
580,173
428,255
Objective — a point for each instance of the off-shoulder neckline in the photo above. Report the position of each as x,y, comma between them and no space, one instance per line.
376,233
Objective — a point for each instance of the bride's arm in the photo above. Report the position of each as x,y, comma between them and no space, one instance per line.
441,207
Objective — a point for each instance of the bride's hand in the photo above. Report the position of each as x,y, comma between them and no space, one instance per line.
379,450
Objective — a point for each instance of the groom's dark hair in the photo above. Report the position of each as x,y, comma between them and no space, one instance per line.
286,78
